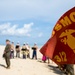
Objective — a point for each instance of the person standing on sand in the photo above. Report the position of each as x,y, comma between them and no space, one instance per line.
18,50
24,49
68,69
12,50
34,48
7,53
28,50
44,58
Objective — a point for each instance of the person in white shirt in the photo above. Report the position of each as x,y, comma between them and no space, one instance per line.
12,50
28,50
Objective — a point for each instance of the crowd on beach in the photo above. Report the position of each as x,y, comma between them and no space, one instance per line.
11,49
24,50
17,50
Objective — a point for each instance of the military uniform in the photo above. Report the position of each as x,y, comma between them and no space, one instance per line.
7,54
70,69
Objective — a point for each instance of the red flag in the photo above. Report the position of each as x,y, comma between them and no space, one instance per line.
61,46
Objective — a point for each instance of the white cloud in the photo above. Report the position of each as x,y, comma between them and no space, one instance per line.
40,34
8,29
27,9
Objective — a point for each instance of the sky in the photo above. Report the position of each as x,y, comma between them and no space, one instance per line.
30,21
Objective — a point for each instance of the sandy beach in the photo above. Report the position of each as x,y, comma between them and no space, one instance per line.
21,66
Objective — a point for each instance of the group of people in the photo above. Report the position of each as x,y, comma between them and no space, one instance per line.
68,69
25,50
9,53
10,49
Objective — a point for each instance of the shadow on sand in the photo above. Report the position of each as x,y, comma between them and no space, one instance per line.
55,70
2,65
52,68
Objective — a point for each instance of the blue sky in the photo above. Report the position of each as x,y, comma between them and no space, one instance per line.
30,20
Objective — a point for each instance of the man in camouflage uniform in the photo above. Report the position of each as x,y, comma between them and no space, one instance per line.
7,53
70,69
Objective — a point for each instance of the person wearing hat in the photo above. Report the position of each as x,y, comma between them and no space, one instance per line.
7,53
24,49
17,48
28,50
34,48
12,50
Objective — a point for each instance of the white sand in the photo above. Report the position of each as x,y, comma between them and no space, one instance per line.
27,66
